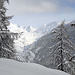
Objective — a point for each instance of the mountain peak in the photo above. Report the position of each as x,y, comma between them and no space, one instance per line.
44,25
30,29
72,22
46,28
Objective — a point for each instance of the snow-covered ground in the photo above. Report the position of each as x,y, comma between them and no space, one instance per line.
11,67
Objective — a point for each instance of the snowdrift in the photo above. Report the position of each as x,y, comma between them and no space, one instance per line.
11,67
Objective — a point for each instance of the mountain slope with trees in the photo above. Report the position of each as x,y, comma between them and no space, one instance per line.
41,49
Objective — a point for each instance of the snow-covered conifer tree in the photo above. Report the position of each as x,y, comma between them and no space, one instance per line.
63,50
6,37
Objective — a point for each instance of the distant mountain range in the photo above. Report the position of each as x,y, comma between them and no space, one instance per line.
46,28
35,43
29,34
30,29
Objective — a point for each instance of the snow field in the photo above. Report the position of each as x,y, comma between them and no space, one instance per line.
11,67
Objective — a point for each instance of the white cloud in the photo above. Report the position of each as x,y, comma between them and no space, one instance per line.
20,7
31,6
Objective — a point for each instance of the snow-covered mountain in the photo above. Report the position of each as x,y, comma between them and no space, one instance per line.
46,28
26,37
72,22
29,34
11,67
30,28
36,44
39,51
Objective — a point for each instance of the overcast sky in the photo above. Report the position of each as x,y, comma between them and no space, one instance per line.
39,12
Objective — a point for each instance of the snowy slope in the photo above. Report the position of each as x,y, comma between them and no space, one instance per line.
11,67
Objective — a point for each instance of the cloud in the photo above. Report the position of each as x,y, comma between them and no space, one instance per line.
67,6
18,7
31,6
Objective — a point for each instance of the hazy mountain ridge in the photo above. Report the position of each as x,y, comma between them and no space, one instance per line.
46,28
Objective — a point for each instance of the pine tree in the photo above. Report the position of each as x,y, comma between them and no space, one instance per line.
6,37
62,51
